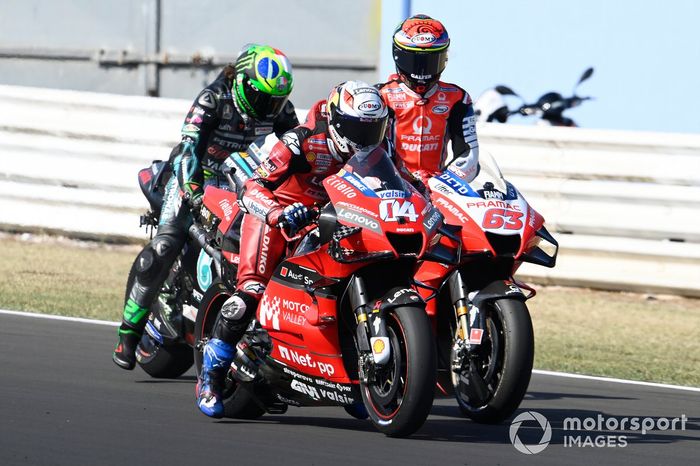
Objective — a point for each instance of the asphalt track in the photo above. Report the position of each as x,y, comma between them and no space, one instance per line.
63,402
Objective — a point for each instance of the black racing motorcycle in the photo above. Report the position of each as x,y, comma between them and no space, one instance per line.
491,105
165,350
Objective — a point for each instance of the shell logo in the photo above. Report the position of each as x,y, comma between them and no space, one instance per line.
378,346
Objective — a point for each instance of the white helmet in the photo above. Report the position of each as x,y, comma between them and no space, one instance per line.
357,116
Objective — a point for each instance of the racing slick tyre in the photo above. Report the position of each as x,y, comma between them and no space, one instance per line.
400,398
504,363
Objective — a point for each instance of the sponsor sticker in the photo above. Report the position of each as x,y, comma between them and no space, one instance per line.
378,346
270,312
475,336
304,359
190,129
356,218
204,273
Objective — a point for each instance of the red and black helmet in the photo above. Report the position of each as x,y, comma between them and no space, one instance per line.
420,46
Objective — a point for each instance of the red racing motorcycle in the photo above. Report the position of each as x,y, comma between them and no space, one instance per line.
483,327
340,322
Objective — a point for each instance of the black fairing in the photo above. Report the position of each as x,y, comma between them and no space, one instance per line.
327,223
156,176
538,256
401,296
498,290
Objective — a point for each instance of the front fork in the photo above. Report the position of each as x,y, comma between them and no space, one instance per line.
468,335
371,335
469,321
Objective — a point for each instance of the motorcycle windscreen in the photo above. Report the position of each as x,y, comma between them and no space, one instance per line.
376,171
489,182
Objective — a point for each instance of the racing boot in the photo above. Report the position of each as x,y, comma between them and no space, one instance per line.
217,358
130,331
236,314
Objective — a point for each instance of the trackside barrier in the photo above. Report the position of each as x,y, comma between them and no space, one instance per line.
625,206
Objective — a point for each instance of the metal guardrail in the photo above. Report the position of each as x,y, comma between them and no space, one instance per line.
128,57
626,205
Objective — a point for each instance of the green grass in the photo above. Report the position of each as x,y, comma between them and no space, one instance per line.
576,330
64,278
617,335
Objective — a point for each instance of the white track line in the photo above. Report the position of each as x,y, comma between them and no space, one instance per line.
50,316
613,380
535,371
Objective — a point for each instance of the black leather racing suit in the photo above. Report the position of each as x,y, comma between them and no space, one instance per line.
213,129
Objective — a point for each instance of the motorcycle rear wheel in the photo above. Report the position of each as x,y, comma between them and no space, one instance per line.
163,362
159,361
399,400
238,402
504,365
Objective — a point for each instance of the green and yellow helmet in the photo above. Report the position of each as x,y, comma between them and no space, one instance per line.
263,81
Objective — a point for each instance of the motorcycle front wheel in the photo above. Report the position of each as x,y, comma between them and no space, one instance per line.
400,398
502,364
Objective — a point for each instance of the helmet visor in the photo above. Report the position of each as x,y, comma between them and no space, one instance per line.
420,65
363,132
264,106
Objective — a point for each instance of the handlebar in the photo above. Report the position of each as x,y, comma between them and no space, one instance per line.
199,235
232,182
534,109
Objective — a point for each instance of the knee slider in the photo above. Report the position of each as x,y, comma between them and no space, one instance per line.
235,316
164,246
238,308
160,252
146,264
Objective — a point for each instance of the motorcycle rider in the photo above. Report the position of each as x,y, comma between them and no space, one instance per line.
427,113
248,99
287,184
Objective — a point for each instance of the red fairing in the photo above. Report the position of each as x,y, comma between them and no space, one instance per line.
535,221
379,215
305,328
145,176
293,321
222,204
432,274
473,237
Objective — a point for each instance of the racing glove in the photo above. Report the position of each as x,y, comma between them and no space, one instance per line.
294,217
423,176
419,180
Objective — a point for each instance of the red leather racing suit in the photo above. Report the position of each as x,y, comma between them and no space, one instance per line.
423,125
294,172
